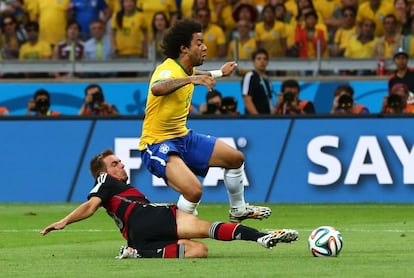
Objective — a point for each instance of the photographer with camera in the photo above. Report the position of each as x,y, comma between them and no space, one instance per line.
288,102
344,102
396,101
39,105
217,105
95,103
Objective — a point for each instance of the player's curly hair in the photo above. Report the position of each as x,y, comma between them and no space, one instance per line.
178,35
97,165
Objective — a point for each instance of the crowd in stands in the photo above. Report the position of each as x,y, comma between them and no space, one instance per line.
111,29
120,29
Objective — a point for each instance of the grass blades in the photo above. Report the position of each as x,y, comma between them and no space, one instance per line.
378,242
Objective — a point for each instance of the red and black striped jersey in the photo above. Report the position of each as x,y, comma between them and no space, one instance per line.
117,198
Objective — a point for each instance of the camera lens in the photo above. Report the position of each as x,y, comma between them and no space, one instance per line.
288,96
212,107
42,104
345,101
394,101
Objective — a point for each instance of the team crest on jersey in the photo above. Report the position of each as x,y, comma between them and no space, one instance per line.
164,149
165,74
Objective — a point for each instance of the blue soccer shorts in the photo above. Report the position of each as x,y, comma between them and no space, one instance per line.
194,149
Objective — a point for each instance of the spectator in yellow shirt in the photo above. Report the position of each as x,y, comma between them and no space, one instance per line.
34,49
344,33
245,43
270,33
362,46
375,10
129,32
213,35
388,44
52,19
150,7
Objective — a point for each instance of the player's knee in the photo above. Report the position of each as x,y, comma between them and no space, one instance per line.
238,159
194,193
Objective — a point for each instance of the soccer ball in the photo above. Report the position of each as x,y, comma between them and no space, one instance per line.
325,241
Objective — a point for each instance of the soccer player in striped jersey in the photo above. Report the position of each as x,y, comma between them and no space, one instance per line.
155,230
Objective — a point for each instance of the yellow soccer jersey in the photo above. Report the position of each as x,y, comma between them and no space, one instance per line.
213,37
271,39
52,20
245,50
225,19
150,7
327,7
292,7
364,11
357,50
113,5
30,8
129,39
38,51
166,116
342,36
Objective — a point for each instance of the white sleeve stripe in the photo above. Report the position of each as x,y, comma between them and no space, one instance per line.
246,83
101,179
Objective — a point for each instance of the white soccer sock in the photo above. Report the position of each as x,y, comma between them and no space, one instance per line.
187,206
233,179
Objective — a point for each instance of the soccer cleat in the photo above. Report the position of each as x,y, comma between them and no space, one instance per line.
274,237
251,212
125,253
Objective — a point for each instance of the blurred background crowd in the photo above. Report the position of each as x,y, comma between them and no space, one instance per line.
233,29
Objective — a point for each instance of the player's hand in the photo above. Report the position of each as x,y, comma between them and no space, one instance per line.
88,99
52,227
31,105
336,102
279,100
205,80
385,101
228,68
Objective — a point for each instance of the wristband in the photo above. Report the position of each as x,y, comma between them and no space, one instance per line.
216,73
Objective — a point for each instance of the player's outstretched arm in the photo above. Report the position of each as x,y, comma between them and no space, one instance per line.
83,211
227,69
168,86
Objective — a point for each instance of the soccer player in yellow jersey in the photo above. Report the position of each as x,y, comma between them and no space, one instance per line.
168,148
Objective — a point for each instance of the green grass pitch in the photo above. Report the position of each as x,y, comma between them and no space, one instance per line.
378,242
